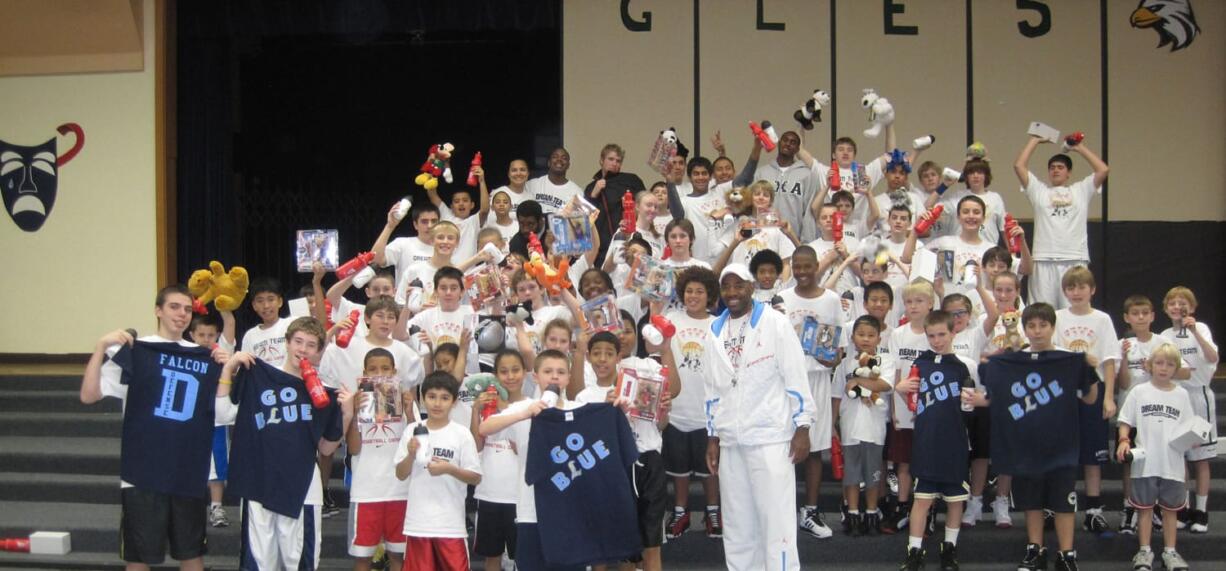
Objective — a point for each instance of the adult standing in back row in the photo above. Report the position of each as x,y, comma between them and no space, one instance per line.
605,192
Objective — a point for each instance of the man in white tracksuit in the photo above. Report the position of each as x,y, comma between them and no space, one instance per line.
759,409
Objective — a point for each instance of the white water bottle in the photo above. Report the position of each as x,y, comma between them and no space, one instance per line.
402,208
550,396
422,435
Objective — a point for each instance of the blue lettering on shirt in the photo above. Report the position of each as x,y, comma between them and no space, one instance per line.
1033,394
285,409
940,391
585,459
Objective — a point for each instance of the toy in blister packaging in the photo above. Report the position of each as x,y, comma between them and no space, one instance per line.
651,279
820,340
572,235
601,314
316,246
483,284
662,150
643,391
769,218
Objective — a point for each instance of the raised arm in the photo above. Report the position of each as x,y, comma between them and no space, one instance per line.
1096,163
484,189
577,368
380,246
1019,166
91,381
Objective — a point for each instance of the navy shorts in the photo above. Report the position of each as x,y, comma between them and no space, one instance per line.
1055,490
1095,435
948,491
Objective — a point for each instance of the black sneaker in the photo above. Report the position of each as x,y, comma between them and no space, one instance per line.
1199,521
1094,521
914,560
845,518
949,557
1066,561
1036,558
872,523
1128,521
329,508
855,524
1183,517
896,521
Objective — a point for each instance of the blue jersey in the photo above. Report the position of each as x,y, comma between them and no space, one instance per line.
940,448
276,436
1034,409
168,416
578,462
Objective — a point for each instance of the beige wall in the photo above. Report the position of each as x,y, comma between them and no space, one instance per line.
1166,109
91,267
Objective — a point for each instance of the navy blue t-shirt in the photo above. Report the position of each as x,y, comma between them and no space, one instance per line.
940,448
1034,409
168,416
276,436
578,462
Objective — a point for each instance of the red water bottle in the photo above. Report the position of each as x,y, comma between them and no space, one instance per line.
925,224
327,315
357,264
472,176
1015,243
629,218
534,244
838,227
835,179
836,457
346,335
15,544
490,407
913,396
763,133
1073,140
315,388
665,327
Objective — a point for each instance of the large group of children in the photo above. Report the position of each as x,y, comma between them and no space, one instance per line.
938,381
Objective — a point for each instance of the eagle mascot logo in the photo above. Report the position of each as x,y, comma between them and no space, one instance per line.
1172,19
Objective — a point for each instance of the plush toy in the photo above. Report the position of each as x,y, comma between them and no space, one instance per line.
870,368
871,249
1012,339
880,112
898,159
977,150
520,313
438,163
811,111
480,382
225,290
740,203
553,279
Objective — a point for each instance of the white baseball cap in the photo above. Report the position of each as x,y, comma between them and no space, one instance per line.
738,270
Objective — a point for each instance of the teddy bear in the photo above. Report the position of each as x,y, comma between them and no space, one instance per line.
869,368
225,290
740,203
1012,339
483,383
438,163
811,111
880,112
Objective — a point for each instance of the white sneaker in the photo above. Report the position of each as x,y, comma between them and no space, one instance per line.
974,511
812,523
1000,511
1143,560
1173,561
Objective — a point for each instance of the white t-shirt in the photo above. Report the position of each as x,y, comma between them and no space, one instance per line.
438,501
708,231
1093,334
859,422
688,413
552,197
469,227
499,467
374,468
1157,415
1138,353
893,273
444,326
342,367
848,278
508,231
769,238
1194,358
912,198
404,252
963,252
268,344
341,310
540,318
422,272
1060,215
993,217
971,342
905,346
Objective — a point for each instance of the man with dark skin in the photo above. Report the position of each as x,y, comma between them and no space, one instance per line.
759,409
554,190
794,186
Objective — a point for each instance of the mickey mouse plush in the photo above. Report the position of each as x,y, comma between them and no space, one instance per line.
438,163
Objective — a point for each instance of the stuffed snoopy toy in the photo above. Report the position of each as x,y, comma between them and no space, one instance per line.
880,112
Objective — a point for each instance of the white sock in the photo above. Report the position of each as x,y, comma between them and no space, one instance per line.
214,504
712,508
1168,549
977,499
1145,549
1202,502
853,512
951,535
915,542
811,508
679,509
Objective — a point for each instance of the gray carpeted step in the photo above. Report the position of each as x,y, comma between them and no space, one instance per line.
67,401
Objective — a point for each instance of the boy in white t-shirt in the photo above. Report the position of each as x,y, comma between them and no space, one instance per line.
1200,353
861,422
1082,329
1153,414
434,528
404,252
377,498
685,437
905,343
809,299
1136,347
447,321
831,251
382,283
267,340
461,213
1060,213
743,241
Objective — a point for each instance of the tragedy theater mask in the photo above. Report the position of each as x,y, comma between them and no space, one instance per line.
28,177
